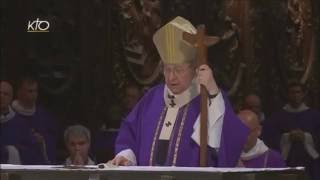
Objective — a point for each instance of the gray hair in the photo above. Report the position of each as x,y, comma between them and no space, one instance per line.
78,131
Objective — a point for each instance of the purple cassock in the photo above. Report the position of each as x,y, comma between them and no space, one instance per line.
283,122
12,133
140,133
41,122
269,159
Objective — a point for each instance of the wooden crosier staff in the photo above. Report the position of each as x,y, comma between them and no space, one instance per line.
201,42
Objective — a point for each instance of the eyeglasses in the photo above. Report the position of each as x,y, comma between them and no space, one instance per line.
176,70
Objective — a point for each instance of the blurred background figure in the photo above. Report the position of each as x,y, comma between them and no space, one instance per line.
105,138
253,102
255,153
131,97
40,124
9,137
295,131
77,140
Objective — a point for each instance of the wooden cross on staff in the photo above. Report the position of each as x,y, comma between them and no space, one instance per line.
201,42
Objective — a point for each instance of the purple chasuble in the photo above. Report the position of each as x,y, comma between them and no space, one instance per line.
141,129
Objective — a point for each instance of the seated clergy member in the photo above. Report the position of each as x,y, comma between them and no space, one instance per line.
163,129
39,123
77,139
11,137
255,153
295,131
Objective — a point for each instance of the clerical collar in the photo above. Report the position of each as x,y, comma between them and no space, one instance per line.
6,117
291,109
178,100
257,150
22,110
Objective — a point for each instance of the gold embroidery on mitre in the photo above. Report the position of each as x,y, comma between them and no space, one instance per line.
170,44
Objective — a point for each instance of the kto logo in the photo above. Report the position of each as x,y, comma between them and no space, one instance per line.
38,26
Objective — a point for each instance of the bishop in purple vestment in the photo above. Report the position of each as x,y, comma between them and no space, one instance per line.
163,129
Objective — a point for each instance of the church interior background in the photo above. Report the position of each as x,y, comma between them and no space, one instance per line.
94,48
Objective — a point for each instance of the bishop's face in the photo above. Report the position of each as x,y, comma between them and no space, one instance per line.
178,77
